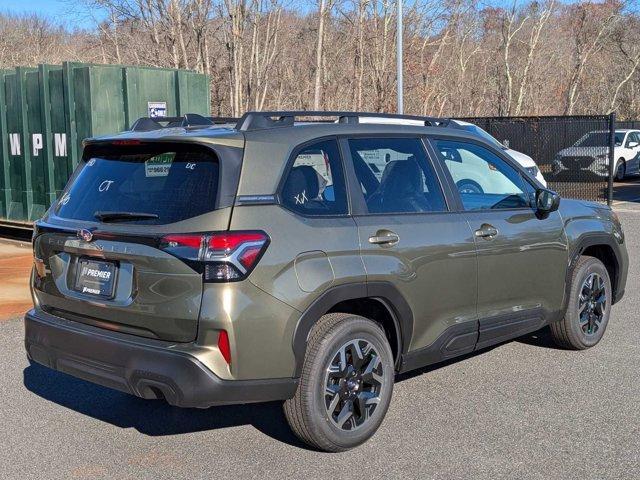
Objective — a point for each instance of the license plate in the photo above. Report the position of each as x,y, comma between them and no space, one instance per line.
96,278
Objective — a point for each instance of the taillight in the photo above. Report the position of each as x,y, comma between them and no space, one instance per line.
187,247
224,257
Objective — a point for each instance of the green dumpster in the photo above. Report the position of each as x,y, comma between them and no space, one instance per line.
46,112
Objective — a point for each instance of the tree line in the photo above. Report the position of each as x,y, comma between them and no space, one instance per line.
461,57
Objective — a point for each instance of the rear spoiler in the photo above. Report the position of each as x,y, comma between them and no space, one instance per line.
188,120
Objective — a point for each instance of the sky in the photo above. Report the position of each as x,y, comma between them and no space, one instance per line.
73,14
70,13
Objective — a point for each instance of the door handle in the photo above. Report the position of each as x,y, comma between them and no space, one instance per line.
486,231
384,237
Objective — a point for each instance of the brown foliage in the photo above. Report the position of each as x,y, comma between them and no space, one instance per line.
462,58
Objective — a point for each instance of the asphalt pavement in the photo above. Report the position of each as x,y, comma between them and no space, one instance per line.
524,409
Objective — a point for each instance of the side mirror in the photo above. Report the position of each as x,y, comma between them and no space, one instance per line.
633,144
547,201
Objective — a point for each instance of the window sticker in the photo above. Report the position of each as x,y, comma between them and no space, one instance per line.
159,165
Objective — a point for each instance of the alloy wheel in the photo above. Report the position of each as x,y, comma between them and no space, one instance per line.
353,384
592,303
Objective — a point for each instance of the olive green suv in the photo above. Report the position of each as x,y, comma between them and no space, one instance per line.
307,257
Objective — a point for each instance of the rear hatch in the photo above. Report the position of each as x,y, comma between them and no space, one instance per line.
115,250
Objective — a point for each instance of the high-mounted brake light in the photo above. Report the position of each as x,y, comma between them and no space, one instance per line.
223,257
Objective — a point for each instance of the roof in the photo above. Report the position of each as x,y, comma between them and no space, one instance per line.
267,146
233,131
267,149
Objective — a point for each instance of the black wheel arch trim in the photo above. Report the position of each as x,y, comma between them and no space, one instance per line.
384,292
585,241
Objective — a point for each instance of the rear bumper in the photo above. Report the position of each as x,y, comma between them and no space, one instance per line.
147,370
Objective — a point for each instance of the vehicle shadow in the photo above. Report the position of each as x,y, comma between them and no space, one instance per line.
539,338
157,418
153,417
401,377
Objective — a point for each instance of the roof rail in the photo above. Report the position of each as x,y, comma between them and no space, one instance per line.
188,120
273,119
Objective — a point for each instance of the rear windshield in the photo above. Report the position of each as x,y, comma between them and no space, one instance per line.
152,186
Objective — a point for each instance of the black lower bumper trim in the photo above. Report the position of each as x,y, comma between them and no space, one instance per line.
144,370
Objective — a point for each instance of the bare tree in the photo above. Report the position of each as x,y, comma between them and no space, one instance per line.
462,57
324,9
540,18
626,41
591,27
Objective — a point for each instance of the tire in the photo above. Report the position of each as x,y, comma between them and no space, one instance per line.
308,411
469,186
572,332
621,170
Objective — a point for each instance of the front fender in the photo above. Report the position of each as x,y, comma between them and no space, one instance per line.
587,225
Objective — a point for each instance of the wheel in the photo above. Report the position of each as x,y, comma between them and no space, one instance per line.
589,306
345,386
469,186
621,170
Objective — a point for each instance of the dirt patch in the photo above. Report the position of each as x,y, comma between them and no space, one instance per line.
15,269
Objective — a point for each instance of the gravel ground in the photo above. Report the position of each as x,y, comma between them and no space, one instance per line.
521,410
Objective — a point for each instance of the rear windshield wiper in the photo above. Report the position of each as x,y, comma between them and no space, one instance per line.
115,216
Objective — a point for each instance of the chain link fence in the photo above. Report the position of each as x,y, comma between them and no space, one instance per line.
572,152
632,124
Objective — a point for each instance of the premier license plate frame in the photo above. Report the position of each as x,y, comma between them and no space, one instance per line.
96,277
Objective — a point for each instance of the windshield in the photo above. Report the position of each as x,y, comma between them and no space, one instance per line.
154,185
599,139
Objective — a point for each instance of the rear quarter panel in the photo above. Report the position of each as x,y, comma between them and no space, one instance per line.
306,255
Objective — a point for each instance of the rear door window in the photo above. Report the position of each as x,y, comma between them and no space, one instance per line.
396,176
162,184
